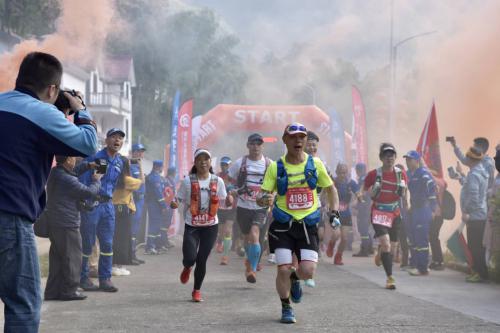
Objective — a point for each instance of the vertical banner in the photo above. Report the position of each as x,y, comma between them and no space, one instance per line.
175,122
428,145
184,138
359,135
338,139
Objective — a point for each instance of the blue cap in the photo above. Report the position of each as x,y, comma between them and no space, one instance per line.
225,160
114,131
138,146
157,163
413,154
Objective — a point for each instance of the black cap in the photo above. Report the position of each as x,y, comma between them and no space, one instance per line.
114,131
256,137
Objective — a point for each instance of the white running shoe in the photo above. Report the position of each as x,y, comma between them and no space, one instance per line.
116,271
271,258
124,271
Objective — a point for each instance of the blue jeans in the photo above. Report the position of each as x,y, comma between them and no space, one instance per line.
20,289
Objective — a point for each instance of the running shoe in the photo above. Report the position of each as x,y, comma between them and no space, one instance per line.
220,247
391,283
338,259
473,278
251,277
151,252
377,259
416,272
329,249
196,296
295,291
224,260
287,316
437,266
124,271
186,272
271,258
310,283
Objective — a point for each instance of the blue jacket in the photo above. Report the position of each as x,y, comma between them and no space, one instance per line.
64,191
422,188
109,180
135,171
473,196
31,133
154,189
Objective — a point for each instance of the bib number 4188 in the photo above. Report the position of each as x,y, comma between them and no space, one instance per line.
299,198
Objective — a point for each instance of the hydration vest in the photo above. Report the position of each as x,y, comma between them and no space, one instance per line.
379,181
241,181
195,207
310,176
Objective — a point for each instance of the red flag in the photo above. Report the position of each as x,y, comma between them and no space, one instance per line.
184,146
359,137
428,145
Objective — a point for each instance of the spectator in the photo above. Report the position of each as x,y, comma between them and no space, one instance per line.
138,151
65,193
169,190
124,209
473,198
32,130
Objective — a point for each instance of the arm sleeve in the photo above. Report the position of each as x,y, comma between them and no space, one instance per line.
472,190
82,167
132,184
221,189
80,191
458,153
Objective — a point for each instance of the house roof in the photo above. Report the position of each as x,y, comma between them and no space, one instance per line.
118,69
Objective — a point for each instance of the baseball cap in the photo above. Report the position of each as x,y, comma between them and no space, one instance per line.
201,151
225,160
413,154
138,146
115,130
255,137
157,163
295,128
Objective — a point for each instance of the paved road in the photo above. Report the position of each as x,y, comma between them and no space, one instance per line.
152,300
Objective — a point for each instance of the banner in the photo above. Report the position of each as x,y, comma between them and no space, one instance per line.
359,135
428,145
173,141
337,139
184,145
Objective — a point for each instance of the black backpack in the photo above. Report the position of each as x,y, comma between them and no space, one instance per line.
449,206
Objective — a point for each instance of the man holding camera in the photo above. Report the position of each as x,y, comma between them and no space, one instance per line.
32,131
100,219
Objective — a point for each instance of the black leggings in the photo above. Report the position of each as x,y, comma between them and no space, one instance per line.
196,247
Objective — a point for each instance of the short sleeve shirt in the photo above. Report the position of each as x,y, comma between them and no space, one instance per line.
184,194
297,172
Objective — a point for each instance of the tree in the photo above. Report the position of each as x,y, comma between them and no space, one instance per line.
29,17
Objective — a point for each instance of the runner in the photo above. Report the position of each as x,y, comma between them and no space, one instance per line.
294,230
226,214
346,187
388,186
248,173
200,193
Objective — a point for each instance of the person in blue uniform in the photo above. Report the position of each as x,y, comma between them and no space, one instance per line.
157,207
100,219
138,150
423,205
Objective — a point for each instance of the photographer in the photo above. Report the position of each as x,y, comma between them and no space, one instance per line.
32,131
64,193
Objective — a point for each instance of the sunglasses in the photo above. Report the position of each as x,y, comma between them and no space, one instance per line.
294,128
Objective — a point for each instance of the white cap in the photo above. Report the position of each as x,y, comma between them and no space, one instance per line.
200,151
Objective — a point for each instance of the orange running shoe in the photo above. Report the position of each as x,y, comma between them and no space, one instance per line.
196,296
186,272
338,259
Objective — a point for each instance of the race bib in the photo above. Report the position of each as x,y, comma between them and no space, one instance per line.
299,198
203,220
343,206
382,218
252,192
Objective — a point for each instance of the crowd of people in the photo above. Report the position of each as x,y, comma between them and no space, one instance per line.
294,208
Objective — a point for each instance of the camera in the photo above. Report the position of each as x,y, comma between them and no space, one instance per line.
102,166
450,138
62,102
452,173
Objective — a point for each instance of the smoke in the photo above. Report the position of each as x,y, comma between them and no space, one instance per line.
79,38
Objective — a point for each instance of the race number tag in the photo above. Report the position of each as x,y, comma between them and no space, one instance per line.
299,198
382,218
203,220
251,195
343,206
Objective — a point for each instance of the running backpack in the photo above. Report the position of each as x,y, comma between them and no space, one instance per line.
310,175
377,186
241,181
195,207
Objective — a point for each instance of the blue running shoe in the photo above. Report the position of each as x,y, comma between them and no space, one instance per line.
288,316
296,291
310,283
